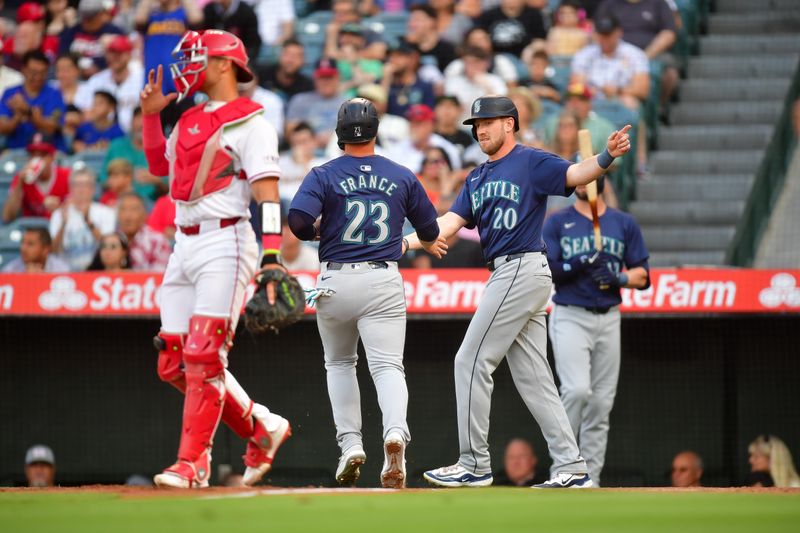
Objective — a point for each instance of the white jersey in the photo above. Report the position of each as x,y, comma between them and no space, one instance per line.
253,145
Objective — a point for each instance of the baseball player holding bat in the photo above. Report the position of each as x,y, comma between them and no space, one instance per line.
506,199
363,199
218,155
585,321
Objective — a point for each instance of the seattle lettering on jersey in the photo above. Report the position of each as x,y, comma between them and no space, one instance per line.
494,189
572,246
371,182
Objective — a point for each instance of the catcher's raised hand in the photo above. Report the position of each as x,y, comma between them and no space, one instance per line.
152,98
619,142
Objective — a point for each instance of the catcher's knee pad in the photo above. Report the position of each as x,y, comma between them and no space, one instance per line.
170,358
205,384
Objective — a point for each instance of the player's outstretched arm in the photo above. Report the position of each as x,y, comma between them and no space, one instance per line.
637,278
588,170
449,224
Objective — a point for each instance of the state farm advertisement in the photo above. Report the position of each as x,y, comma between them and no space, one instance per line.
457,291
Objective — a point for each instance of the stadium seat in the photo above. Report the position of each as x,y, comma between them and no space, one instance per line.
10,164
11,234
6,256
391,26
522,68
93,160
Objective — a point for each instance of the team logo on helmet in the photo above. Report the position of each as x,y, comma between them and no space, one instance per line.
476,107
357,131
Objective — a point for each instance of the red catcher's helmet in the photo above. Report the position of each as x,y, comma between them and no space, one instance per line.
191,59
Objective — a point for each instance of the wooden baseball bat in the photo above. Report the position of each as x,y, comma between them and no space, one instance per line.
585,146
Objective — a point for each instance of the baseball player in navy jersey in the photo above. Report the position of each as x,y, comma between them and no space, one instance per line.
364,200
584,323
506,198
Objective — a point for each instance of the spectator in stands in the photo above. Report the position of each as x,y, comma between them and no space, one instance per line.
119,181
770,455
298,161
68,82
649,25
79,223
448,122
149,249
499,65
393,128
236,17
614,69
450,25
129,147
579,100
33,107
540,83
275,20
346,12
400,80
476,81
40,466
123,79
566,37
34,254
355,69
285,78
100,126
162,23
529,108
9,77
84,38
434,172
162,217
411,151
113,254
687,469
40,187
424,34
30,35
512,26
270,101
519,465
565,141
319,107
60,16
296,255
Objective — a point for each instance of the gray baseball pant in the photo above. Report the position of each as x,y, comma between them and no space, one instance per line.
368,303
587,352
510,322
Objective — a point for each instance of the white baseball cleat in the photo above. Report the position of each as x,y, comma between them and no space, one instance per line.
457,476
262,447
350,465
186,474
566,481
393,475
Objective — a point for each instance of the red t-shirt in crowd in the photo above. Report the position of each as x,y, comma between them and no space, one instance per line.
163,214
33,194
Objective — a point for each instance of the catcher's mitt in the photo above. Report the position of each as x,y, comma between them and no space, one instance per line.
261,316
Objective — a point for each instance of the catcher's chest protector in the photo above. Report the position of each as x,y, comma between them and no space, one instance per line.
202,166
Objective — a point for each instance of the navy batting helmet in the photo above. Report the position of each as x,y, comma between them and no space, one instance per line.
357,122
492,107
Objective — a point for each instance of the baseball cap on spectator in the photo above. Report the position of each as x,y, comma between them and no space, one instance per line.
579,90
404,47
448,98
90,8
326,68
425,8
30,11
606,25
40,453
373,92
120,44
353,29
39,144
420,113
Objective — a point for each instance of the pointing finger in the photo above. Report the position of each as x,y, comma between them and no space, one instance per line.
159,76
150,77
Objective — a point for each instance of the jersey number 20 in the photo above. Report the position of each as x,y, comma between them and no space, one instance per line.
356,213
504,219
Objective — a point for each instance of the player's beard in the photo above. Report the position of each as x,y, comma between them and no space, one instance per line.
581,195
490,147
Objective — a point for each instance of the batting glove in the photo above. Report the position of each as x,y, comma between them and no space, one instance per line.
312,295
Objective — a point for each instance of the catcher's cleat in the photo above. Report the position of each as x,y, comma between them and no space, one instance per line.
393,475
186,474
263,445
349,468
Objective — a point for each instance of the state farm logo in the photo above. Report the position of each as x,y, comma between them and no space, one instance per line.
62,293
783,290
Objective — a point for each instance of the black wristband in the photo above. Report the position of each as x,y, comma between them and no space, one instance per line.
605,159
270,259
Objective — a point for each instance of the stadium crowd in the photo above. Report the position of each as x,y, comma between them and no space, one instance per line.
72,71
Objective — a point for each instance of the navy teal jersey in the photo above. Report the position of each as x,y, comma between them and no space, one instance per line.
51,103
569,234
507,199
364,202
162,33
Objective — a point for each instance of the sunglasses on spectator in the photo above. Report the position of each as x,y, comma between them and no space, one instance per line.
432,161
110,246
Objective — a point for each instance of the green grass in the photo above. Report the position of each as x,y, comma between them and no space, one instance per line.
466,510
